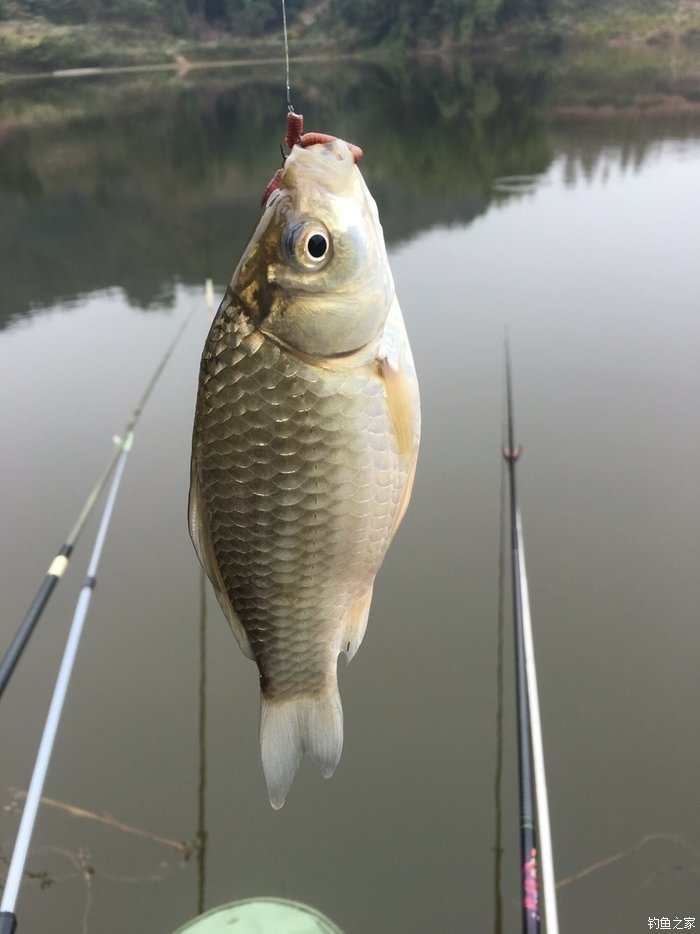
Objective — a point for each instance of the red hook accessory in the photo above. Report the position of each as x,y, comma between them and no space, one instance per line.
274,183
310,139
295,127
295,137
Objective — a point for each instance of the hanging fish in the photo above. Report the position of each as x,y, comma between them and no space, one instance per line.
305,443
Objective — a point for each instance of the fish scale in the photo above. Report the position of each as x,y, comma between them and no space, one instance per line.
294,539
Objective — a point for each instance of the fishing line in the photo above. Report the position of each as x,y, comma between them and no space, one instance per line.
59,564
286,56
533,786
8,920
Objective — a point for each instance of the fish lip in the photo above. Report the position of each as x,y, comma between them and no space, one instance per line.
305,357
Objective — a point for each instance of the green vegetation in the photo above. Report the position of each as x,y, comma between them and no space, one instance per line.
46,35
546,23
438,23
249,17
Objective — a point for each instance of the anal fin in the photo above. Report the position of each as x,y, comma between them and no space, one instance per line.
355,624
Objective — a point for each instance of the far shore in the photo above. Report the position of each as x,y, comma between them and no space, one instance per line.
33,48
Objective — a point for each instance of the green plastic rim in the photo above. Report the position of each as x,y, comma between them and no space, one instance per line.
261,916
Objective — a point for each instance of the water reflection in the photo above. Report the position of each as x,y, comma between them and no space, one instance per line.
168,174
145,183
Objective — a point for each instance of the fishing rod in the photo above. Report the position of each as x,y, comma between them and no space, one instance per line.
202,835
60,562
534,807
8,919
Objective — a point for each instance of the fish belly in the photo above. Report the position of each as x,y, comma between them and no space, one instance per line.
298,481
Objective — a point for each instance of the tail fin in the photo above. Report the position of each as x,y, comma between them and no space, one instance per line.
290,728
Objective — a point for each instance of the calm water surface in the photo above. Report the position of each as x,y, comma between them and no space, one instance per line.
558,201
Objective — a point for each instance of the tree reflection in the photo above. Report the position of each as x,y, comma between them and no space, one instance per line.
145,183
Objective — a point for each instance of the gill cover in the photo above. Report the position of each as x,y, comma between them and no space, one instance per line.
331,283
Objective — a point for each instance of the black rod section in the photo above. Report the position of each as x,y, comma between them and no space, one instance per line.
528,839
26,628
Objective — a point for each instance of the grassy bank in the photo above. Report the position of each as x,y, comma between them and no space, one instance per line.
653,23
34,45
657,23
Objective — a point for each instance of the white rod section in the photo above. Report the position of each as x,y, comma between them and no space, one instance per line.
31,806
543,828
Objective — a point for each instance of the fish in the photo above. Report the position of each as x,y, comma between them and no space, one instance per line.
304,447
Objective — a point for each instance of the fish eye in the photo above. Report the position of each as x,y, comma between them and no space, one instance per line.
309,245
317,245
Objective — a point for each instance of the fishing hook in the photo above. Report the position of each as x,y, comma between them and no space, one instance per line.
294,136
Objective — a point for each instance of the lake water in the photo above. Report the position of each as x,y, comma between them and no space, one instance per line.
559,200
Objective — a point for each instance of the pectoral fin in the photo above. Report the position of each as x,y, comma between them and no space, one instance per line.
207,558
405,495
403,408
400,399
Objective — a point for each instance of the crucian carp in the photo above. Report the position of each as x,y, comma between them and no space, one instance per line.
305,443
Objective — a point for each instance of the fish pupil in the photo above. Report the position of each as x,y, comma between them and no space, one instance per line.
317,245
